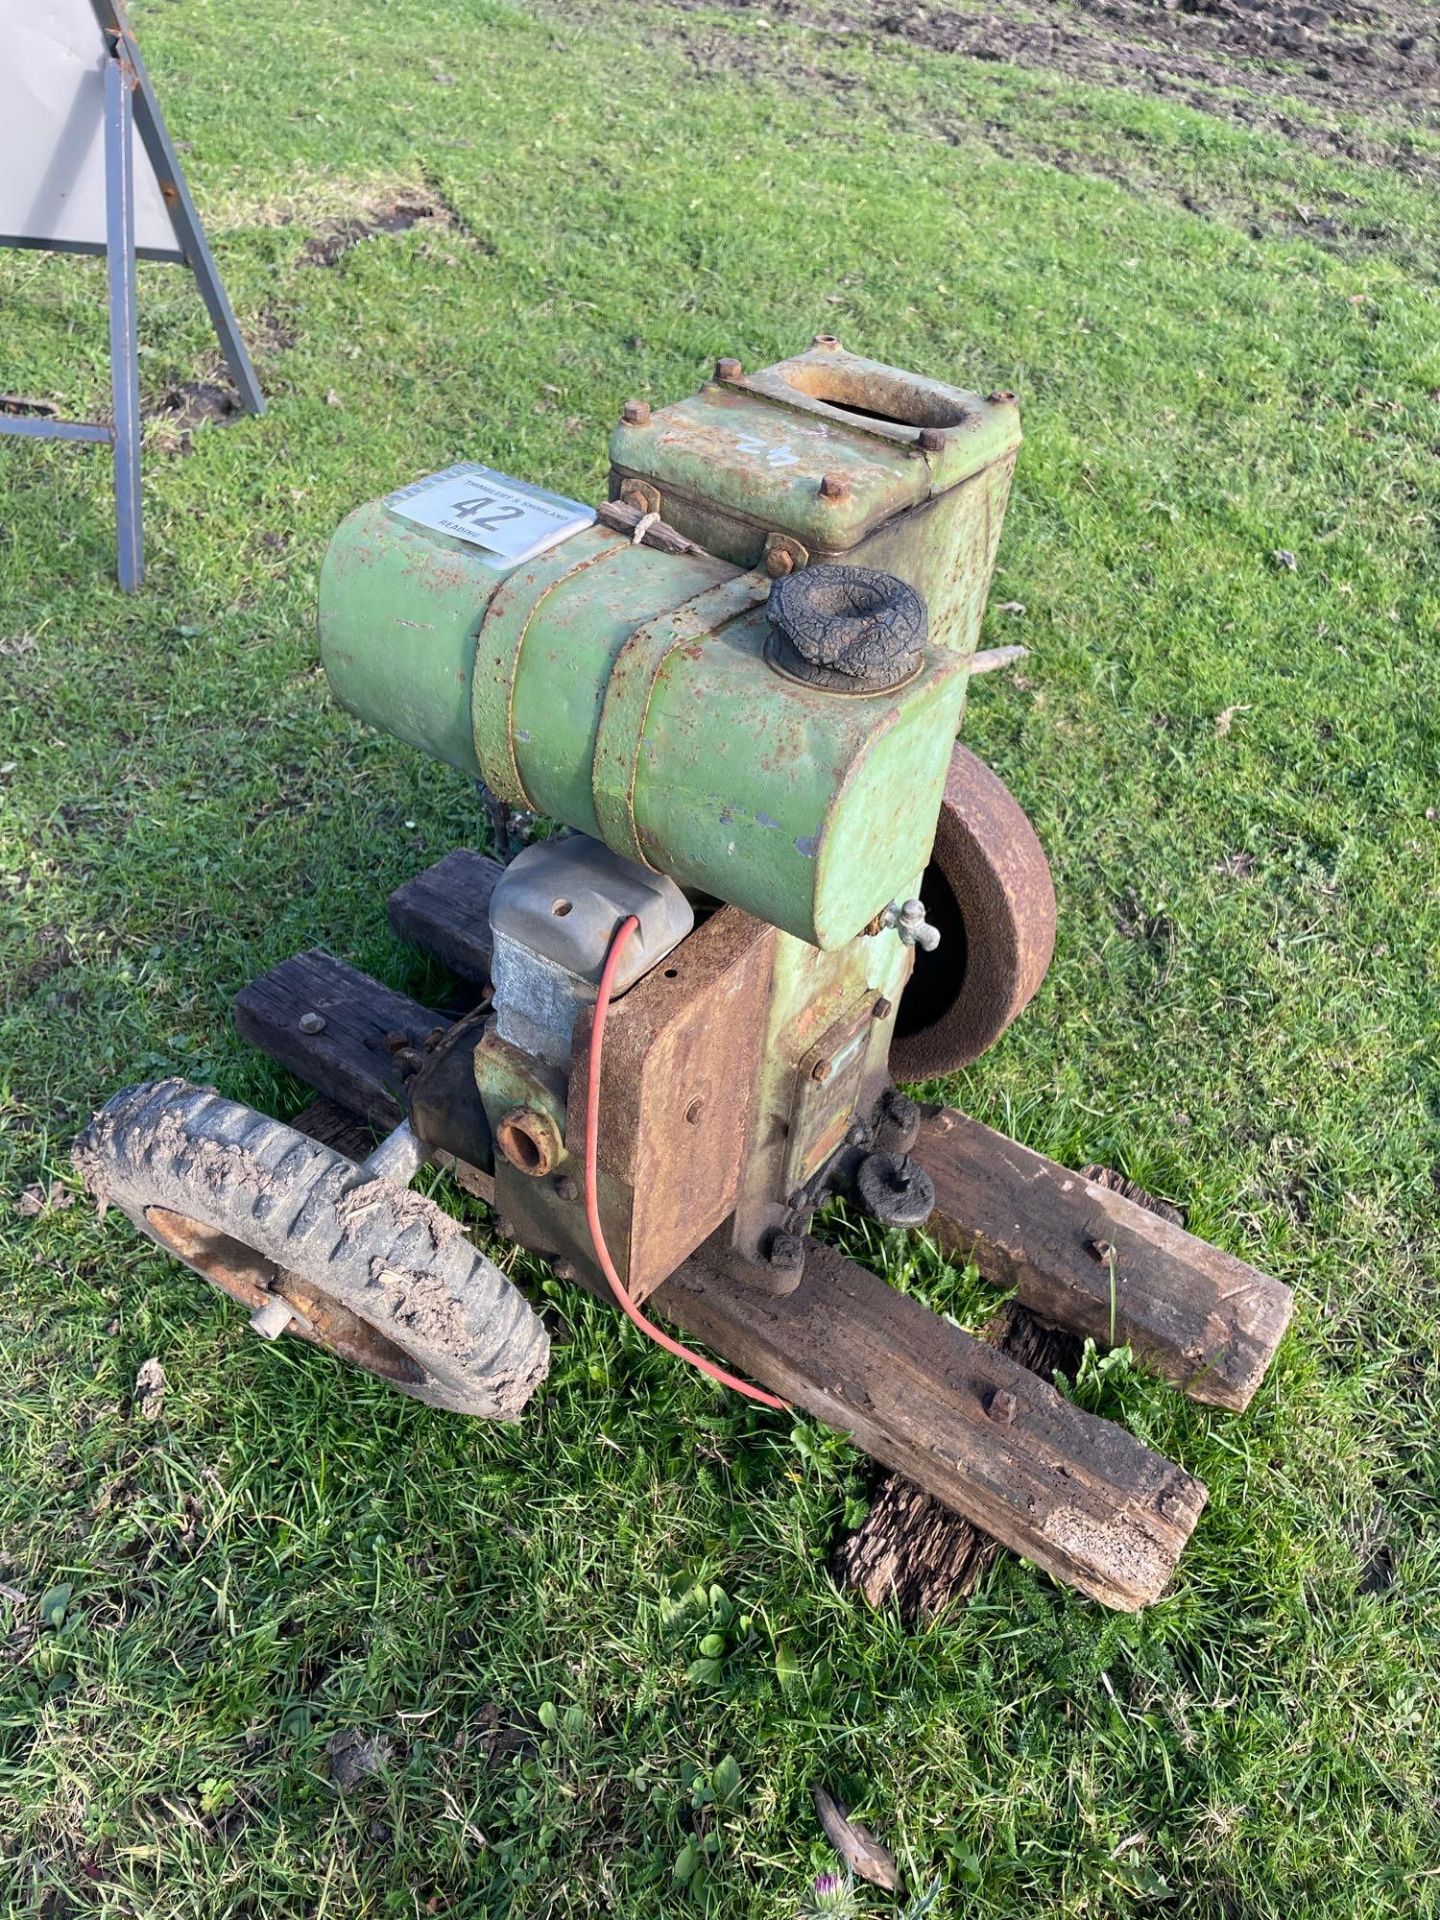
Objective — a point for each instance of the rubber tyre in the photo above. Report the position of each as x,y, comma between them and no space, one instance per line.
384,1277
988,891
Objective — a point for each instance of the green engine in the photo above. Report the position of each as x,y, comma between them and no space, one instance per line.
737,684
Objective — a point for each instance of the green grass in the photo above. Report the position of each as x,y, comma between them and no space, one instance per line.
565,1629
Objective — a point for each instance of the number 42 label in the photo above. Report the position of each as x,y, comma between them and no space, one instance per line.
509,520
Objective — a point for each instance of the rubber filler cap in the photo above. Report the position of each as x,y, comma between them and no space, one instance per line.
847,629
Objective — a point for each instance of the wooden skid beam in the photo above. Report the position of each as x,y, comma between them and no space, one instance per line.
445,911
1073,1493
356,1058
911,1548
1084,1256
349,1057
1076,1494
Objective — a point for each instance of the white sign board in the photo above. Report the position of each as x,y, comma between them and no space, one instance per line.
508,519
52,135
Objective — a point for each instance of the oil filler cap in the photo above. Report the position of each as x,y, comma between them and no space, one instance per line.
846,629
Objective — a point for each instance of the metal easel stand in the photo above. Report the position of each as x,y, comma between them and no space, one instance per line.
129,107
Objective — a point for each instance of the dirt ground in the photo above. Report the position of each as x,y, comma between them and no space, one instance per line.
1306,71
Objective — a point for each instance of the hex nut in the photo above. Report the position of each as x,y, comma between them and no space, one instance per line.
1001,1406
783,554
827,341
931,440
311,1023
834,486
636,413
641,495
729,369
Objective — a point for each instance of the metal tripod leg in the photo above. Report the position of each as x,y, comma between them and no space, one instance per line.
124,366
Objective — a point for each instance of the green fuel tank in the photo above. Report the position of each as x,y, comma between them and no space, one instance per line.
647,698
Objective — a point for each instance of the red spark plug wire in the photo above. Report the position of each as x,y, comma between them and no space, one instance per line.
592,1202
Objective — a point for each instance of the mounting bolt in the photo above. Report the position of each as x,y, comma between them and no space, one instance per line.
882,1009
931,440
785,1253
564,1270
396,1040
999,396
311,1023
636,413
825,340
728,369
1001,1406
782,555
566,1188
834,486
822,1070
1102,1250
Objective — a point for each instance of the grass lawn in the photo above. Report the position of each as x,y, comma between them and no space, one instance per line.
603,1647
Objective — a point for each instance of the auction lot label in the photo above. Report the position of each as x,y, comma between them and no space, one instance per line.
509,520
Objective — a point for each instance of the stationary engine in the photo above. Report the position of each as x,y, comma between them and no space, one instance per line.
735,691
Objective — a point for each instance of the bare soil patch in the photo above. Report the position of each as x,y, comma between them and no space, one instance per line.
384,214
1252,61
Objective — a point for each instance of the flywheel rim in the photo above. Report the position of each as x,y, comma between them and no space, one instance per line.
248,1277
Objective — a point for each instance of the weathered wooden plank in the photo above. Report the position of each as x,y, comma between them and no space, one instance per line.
357,1059
335,1126
446,911
1073,1493
1078,1495
910,1547
1082,1255
913,1549
351,1054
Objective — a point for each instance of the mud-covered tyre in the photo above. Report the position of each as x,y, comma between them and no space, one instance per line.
988,893
373,1271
